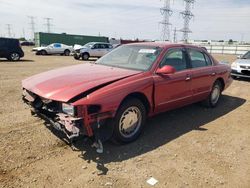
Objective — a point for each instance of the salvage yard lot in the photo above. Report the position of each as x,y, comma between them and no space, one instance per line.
189,147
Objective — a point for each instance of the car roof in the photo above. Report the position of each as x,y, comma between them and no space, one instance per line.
3,38
163,45
99,42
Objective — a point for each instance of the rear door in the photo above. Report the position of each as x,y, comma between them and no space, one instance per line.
202,73
108,48
173,91
96,51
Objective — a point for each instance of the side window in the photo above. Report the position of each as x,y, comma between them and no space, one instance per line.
2,42
175,58
57,45
102,46
96,46
208,60
197,59
107,46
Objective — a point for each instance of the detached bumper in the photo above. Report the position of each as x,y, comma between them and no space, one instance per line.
73,126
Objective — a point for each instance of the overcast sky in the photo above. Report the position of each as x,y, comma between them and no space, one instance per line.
214,19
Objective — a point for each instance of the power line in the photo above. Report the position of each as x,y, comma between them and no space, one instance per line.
187,16
166,12
175,35
48,24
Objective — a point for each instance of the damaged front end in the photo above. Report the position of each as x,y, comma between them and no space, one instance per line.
72,120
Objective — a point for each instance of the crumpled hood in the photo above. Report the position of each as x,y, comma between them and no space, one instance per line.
243,61
65,83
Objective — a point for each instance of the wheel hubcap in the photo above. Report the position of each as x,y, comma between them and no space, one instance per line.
130,122
215,94
14,56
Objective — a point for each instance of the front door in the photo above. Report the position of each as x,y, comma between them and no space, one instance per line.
173,91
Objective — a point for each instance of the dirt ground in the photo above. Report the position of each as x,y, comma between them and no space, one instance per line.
189,147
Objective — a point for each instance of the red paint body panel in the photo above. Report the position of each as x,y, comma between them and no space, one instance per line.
163,92
65,83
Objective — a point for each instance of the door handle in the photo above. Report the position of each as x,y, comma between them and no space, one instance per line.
188,78
213,74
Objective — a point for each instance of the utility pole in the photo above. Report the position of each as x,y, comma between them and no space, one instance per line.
187,16
24,33
32,26
48,24
166,13
175,35
9,29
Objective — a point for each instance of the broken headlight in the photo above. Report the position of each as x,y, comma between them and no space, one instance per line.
68,109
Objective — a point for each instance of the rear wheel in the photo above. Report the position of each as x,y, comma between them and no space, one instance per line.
66,52
214,96
129,121
85,56
14,56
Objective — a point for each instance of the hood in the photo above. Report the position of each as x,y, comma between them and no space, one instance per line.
65,83
39,48
77,47
243,61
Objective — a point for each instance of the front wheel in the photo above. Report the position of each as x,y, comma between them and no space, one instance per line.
85,56
14,57
214,96
43,52
129,121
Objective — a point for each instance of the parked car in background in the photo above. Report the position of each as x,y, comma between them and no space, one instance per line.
27,43
92,49
10,49
113,97
55,48
241,67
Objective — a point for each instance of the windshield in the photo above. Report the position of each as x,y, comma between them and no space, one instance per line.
246,56
89,45
131,57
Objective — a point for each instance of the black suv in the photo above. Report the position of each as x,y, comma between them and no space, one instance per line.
10,49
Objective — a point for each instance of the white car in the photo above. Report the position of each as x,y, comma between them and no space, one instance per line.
55,48
241,67
92,49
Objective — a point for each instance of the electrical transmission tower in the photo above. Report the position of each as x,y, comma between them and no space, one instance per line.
166,12
32,24
187,16
9,29
48,24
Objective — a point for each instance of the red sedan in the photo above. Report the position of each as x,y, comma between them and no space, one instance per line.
113,97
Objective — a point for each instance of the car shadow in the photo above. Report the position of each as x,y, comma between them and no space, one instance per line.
158,131
20,61
242,79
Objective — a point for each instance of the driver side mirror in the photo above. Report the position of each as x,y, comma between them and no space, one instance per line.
166,70
239,56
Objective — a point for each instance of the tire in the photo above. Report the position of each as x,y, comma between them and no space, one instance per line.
76,57
43,52
214,96
66,52
132,111
85,56
14,56
234,77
